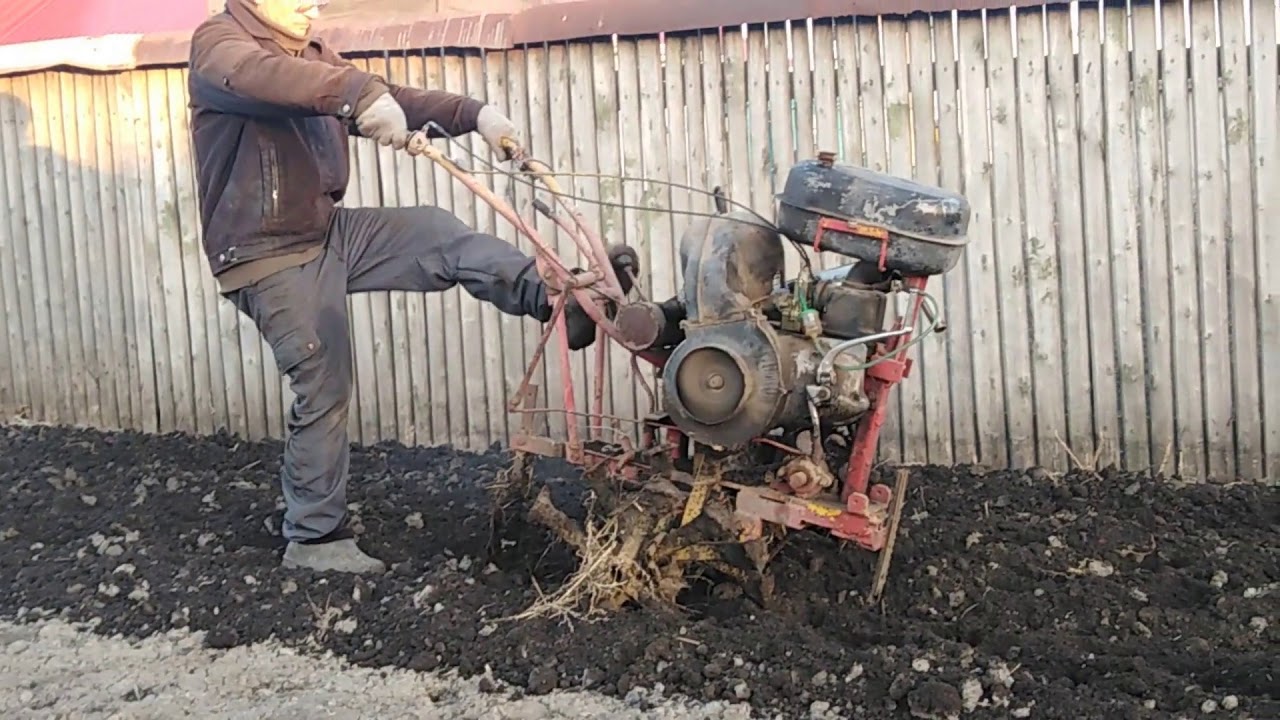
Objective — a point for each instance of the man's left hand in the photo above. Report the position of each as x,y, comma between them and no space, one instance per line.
384,122
496,128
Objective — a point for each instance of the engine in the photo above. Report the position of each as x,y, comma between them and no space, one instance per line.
751,349
751,353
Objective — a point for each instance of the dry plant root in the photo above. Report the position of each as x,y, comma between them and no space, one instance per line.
510,488
634,548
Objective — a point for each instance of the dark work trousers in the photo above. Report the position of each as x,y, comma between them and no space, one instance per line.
302,313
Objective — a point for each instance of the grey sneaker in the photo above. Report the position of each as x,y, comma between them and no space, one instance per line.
336,556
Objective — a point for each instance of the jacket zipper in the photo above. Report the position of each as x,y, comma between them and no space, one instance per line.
270,184
275,183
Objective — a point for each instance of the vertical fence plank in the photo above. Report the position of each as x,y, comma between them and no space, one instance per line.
632,103
172,358
979,256
958,343
94,181
15,264
581,117
187,262
38,197
904,422
565,142
152,345
931,423
86,242
738,159
419,394
826,106
364,391
876,99
502,72
802,89
667,277
871,91
1071,249
1180,174
21,382
1150,206
1010,269
32,228
1241,258
60,246
407,346
823,97
73,231
758,122
540,123
1097,251
1126,249
123,132
848,91
460,77
561,159
117,328
1266,104
659,233
377,339
781,142
10,375
359,306
1211,221
395,171
1040,241
596,62
714,132
432,385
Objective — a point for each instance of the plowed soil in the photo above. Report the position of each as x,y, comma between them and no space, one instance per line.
1012,594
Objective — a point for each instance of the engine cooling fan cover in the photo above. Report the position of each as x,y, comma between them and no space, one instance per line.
722,385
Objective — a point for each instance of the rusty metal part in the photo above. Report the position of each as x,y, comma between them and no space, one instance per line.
806,477
640,323
858,519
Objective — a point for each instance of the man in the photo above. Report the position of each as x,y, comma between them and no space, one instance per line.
272,109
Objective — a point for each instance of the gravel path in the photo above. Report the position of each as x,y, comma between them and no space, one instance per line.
1013,595
54,669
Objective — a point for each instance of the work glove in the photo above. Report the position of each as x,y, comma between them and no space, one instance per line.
384,121
494,127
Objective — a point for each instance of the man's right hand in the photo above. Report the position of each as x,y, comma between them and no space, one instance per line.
384,122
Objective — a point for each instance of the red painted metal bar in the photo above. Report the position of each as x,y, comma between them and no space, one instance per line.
879,381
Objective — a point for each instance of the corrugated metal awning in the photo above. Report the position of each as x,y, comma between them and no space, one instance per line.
25,21
359,28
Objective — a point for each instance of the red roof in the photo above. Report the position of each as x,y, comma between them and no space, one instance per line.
30,20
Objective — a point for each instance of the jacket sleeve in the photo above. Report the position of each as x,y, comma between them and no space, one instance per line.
243,69
455,113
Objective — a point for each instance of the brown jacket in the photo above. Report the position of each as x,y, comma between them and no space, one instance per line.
270,130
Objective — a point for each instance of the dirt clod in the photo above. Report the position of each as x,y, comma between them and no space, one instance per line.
935,700
1077,648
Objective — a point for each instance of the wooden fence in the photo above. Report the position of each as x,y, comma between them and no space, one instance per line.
1119,300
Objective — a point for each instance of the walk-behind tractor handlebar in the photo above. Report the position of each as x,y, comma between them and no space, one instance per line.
768,384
